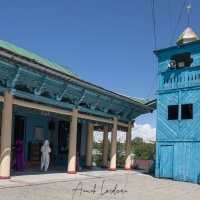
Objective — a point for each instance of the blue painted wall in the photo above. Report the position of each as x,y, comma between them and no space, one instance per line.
33,120
185,161
178,141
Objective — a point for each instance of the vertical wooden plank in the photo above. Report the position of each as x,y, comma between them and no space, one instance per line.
166,161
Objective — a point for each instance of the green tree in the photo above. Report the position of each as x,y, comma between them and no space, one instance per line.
141,149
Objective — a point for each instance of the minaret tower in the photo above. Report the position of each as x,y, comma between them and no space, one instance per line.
178,109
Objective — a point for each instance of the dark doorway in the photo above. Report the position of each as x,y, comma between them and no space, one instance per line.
63,137
20,128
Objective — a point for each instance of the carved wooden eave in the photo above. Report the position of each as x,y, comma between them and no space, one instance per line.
30,81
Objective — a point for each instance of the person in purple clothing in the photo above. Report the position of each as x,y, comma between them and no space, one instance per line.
19,155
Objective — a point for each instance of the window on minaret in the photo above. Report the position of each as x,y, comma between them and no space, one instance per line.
187,111
181,60
173,112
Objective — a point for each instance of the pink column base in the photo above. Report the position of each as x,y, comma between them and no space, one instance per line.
112,169
127,168
4,177
71,172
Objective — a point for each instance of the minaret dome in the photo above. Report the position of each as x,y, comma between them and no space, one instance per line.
188,35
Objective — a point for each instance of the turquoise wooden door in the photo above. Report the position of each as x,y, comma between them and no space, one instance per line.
166,161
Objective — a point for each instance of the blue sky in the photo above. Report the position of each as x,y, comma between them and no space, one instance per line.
107,42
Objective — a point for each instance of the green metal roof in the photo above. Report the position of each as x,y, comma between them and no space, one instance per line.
36,58
142,101
149,103
59,68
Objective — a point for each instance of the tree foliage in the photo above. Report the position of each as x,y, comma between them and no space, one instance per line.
140,149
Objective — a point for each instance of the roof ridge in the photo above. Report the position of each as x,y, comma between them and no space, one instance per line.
40,60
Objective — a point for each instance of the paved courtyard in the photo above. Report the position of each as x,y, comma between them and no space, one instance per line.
96,184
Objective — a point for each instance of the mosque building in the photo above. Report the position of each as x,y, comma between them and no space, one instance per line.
41,100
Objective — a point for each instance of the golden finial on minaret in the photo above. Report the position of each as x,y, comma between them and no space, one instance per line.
189,6
188,34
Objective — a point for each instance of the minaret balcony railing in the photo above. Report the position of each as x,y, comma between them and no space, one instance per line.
178,79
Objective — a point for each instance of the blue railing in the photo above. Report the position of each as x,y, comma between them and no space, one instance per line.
179,79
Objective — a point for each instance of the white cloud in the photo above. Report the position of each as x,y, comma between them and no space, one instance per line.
146,132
